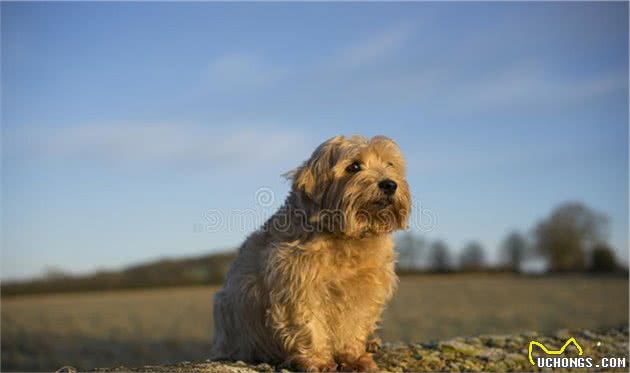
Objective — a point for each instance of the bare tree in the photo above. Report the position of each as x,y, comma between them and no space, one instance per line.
440,257
565,237
410,248
472,257
514,249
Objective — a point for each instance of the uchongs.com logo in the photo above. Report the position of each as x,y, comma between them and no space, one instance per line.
551,359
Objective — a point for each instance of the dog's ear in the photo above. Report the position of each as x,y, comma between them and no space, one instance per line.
312,176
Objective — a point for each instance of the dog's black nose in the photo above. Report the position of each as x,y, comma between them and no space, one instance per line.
388,186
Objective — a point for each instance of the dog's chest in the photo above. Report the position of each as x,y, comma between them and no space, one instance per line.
363,272
350,257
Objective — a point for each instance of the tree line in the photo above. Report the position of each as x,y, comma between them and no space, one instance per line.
572,238
201,270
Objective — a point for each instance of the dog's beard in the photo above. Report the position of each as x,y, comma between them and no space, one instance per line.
377,216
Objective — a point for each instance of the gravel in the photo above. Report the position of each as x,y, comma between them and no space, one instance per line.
485,353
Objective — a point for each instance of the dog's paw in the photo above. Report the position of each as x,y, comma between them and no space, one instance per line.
330,367
304,364
322,368
373,345
364,363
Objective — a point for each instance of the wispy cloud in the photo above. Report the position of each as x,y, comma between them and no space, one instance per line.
448,88
374,47
243,71
532,84
240,71
368,70
160,143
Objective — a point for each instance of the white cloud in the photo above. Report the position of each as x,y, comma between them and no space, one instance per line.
162,143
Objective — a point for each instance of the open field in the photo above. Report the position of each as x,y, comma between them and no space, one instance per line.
160,326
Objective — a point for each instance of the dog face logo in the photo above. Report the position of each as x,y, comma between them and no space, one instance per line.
354,186
553,352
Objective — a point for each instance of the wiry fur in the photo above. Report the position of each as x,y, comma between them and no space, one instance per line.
309,287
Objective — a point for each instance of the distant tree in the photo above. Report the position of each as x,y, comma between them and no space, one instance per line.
472,257
514,249
567,234
603,259
410,248
440,257
54,273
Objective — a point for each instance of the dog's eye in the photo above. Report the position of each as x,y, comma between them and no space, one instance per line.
353,167
390,164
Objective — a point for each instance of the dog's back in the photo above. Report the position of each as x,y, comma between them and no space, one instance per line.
240,331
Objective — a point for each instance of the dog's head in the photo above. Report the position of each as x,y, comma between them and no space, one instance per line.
354,186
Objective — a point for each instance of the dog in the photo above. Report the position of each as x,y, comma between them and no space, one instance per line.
308,288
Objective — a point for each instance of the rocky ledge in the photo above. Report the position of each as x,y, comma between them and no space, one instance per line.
487,353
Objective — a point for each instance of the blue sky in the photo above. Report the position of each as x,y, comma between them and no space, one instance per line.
127,127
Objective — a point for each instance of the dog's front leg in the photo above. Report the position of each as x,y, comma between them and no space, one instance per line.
351,350
295,289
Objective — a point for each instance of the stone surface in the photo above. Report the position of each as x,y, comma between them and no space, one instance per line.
474,354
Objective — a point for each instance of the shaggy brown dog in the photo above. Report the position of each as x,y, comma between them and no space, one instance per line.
308,288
